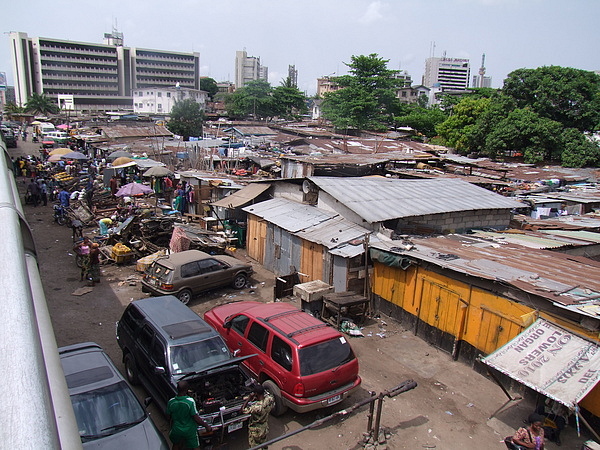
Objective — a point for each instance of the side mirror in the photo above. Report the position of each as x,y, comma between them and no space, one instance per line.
147,401
227,324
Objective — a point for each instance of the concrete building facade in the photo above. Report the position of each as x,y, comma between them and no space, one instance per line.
100,77
248,68
449,74
160,100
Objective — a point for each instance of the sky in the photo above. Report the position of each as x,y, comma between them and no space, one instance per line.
320,36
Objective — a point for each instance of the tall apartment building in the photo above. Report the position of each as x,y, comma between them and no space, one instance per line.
248,68
97,77
448,74
325,85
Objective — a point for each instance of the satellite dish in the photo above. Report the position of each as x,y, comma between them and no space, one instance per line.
307,187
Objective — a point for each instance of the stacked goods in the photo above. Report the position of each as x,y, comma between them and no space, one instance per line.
121,253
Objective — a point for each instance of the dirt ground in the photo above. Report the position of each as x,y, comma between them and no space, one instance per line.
449,409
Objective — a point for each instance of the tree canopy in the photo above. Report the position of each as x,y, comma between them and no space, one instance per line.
367,98
186,119
543,114
41,104
209,85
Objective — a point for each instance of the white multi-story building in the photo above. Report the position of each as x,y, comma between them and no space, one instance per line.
448,74
248,68
99,77
160,100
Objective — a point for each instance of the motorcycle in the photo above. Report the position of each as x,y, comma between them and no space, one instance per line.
60,214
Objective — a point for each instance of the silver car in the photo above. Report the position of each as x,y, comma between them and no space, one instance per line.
108,413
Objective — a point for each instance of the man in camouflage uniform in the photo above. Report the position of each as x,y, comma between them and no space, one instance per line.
258,425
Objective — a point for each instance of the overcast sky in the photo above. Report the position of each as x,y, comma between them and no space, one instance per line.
319,36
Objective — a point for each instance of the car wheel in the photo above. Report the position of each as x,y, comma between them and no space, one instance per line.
131,370
240,280
279,407
185,296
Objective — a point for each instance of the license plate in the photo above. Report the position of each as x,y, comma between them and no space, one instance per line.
334,399
234,426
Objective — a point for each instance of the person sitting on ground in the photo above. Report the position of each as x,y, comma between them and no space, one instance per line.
531,436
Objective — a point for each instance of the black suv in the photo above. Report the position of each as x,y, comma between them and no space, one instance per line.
163,341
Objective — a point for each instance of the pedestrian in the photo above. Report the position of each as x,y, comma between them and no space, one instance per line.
89,192
114,185
34,192
83,250
258,404
44,192
94,273
64,198
184,419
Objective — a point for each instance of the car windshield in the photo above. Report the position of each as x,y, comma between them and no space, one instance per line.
159,271
196,356
324,356
107,410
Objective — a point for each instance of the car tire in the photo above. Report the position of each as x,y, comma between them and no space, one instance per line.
131,370
185,296
240,280
279,407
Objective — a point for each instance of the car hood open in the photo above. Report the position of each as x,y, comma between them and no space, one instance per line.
218,366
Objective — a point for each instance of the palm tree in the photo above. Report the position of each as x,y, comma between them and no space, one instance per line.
40,104
11,109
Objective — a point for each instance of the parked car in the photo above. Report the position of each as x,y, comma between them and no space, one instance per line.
188,273
163,341
305,363
10,138
108,413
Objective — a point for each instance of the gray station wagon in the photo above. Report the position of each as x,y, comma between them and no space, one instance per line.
188,273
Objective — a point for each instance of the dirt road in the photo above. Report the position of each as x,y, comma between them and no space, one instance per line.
449,409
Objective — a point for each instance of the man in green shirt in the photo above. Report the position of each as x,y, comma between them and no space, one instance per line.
184,419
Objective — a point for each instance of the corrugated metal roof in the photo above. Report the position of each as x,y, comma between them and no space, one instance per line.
588,236
289,215
529,240
377,199
561,278
333,232
243,196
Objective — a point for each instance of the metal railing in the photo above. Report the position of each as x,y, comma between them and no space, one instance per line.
36,408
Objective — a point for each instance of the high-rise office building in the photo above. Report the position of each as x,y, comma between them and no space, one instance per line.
248,68
448,74
293,75
98,77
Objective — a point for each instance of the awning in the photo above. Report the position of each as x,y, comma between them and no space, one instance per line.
243,196
550,360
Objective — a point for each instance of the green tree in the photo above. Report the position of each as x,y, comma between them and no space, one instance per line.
563,94
458,130
538,138
253,100
186,119
209,85
424,120
367,98
579,150
41,104
288,102
11,108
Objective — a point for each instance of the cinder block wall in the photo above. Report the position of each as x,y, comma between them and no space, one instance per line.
455,222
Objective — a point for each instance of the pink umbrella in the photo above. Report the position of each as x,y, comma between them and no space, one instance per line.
62,126
132,189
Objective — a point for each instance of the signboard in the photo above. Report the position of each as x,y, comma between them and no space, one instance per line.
66,102
2,81
550,360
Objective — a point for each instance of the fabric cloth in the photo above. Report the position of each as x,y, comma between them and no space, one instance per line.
258,424
525,435
182,409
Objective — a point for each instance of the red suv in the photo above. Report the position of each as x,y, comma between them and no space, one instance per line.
305,363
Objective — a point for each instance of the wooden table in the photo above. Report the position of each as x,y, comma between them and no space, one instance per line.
341,305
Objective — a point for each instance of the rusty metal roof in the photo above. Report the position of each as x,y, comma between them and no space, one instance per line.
565,280
376,199
136,131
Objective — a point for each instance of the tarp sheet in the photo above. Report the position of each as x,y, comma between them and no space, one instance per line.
550,360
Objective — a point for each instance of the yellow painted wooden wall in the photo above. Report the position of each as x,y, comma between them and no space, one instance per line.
256,236
484,320
311,261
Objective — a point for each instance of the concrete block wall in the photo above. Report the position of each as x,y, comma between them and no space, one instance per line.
455,222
